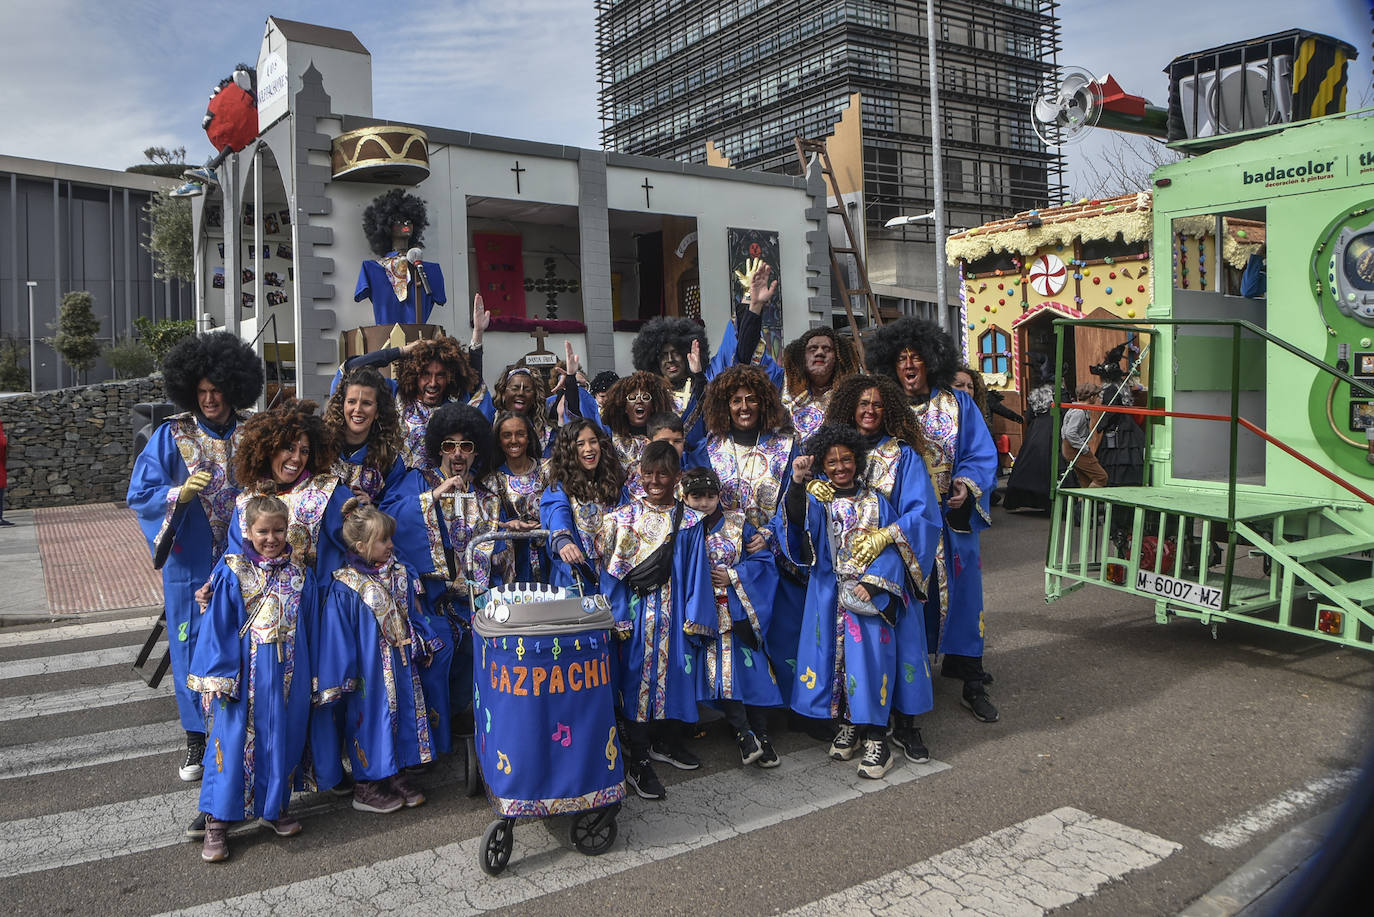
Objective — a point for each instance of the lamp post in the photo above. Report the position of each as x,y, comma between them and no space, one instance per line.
33,351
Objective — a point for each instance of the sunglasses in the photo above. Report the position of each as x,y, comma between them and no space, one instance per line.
639,398
450,446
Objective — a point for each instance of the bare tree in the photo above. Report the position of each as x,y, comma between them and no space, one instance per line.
1123,167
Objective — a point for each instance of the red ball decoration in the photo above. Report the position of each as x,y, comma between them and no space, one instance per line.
1112,275
1128,300
1001,302
1140,288
1097,280
987,308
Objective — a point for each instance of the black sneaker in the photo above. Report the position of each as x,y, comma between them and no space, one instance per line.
749,748
344,787
192,769
976,700
908,739
846,741
877,759
644,781
673,753
769,758
196,829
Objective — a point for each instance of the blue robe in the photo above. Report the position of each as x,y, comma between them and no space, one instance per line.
375,284
253,647
357,475
520,497
372,650
566,517
183,444
656,653
848,664
314,530
959,448
733,665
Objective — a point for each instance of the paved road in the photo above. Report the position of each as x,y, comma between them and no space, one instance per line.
1136,766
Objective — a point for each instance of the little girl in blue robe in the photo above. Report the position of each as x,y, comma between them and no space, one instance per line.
252,668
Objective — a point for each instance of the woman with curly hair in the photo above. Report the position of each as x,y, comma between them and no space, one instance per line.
361,415
897,472
518,478
586,481
524,391
847,660
432,373
394,224
183,489
962,460
630,402
813,365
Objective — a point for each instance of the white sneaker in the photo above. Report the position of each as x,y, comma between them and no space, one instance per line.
193,769
877,760
845,743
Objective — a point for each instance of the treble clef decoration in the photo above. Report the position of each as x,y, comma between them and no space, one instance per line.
611,751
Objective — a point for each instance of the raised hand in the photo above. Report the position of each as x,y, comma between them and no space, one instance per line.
801,469
193,486
570,359
694,357
481,320
761,292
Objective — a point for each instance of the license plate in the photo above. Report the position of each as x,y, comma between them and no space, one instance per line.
1178,590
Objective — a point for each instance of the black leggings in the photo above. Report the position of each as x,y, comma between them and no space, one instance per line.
744,717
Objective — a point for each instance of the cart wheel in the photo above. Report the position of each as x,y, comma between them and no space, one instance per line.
497,842
472,780
593,833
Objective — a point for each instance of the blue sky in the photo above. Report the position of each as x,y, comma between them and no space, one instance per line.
95,82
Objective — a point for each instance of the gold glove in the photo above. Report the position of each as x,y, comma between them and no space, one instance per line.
868,545
746,276
193,486
821,490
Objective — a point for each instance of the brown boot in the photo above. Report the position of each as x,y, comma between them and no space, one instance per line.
216,846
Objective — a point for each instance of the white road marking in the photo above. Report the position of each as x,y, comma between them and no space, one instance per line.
76,631
1030,868
696,814
1264,816
76,699
71,662
87,750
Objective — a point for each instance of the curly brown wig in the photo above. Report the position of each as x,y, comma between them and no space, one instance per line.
538,412
937,349
773,417
462,378
600,486
269,432
898,422
834,434
384,439
613,412
222,358
794,359
394,206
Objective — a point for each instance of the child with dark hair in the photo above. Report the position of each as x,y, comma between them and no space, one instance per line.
586,481
847,658
667,426
371,651
251,667
733,670
656,576
518,478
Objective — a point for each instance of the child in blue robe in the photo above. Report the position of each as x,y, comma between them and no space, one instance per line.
251,666
586,481
372,648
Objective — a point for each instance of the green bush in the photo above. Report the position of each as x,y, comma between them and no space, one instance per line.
160,337
130,358
76,328
14,366
169,238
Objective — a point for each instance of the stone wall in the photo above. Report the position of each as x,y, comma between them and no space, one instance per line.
73,445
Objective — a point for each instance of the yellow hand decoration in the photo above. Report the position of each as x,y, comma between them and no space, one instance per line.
868,545
193,486
746,276
821,490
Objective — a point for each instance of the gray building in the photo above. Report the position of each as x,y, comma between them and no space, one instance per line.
748,76
71,227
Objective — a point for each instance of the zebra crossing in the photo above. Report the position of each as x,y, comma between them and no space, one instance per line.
1030,867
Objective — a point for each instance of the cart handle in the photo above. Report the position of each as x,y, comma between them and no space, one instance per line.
501,536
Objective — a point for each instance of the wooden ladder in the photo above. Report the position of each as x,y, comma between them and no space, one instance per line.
864,289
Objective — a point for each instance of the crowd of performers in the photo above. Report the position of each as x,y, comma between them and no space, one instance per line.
802,536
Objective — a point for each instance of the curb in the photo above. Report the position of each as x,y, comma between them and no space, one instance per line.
22,619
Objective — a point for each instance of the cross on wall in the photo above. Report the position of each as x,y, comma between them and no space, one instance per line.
517,170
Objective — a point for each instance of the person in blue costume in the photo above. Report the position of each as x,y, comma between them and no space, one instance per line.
848,659
523,391
518,478
896,471
962,460
252,667
439,511
361,415
182,488
372,650
432,373
812,366
657,578
676,349
733,670
394,224
586,481
625,414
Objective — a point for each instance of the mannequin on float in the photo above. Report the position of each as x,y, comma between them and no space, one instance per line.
402,287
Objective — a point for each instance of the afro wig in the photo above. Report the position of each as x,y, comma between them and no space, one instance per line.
222,358
933,343
835,434
462,378
659,333
604,380
395,206
468,423
794,359
898,422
